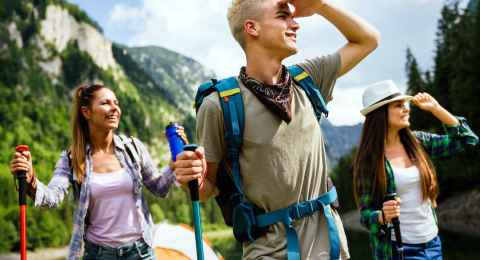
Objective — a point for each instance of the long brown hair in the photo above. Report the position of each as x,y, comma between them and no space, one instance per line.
369,160
83,96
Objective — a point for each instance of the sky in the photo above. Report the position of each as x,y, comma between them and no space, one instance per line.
199,29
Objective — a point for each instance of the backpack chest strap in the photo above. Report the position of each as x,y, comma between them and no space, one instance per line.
301,210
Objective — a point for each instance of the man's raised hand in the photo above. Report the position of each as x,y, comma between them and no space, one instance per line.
306,8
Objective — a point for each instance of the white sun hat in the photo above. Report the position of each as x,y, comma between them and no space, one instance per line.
379,94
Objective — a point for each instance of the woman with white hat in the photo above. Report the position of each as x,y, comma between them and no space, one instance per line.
393,159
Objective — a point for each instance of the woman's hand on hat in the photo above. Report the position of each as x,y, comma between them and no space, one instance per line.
425,102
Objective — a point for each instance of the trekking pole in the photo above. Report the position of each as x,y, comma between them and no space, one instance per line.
22,203
193,186
396,228
177,145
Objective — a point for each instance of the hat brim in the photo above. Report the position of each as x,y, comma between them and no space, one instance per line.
369,109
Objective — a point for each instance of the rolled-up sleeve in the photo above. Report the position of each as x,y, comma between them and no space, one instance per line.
455,139
157,182
52,195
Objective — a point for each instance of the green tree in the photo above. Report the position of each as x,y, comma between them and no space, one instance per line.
415,84
455,84
342,176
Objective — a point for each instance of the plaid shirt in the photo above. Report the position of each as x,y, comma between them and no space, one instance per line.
146,173
436,146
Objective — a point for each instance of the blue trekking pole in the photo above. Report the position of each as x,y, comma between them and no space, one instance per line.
177,145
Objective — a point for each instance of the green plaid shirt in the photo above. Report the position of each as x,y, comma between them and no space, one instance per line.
436,146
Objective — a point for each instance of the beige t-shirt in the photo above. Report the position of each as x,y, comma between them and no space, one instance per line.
280,163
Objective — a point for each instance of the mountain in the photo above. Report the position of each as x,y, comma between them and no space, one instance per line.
177,74
340,140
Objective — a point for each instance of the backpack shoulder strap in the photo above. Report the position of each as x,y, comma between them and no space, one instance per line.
131,148
75,185
135,152
301,77
69,158
203,91
231,102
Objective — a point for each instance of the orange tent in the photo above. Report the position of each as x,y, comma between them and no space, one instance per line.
177,242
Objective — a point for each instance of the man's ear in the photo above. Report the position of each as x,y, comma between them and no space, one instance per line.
251,28
85,112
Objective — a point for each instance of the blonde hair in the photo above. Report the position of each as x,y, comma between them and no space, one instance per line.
238,13
83,97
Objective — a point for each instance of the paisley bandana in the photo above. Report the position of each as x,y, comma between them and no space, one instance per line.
277,97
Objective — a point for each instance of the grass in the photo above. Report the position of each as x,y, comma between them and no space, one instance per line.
223,242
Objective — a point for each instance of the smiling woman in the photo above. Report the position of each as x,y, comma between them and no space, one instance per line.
107,173
393,172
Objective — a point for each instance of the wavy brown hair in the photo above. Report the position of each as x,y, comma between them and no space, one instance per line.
83,96
369,162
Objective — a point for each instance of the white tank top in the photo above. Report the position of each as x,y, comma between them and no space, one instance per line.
114,218
417,222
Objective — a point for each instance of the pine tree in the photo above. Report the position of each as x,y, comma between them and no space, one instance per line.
456,86
416,84
443,75
455,83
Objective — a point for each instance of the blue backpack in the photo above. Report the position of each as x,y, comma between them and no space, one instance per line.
248,221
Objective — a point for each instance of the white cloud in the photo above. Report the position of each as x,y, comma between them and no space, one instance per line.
199,29
124,14
345,106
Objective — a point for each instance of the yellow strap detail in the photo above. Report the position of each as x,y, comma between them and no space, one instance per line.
301,76
229,92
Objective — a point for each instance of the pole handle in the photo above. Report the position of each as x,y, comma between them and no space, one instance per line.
22,177
395,221
193,184
22,202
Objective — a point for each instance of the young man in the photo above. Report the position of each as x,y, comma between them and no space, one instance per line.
283,157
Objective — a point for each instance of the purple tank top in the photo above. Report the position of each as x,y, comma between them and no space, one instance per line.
114,219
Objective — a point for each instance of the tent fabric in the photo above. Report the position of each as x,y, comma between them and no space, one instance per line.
177,242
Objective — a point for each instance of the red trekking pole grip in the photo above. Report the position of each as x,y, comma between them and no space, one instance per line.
22,202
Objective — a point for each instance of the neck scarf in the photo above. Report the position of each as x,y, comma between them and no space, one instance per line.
277,97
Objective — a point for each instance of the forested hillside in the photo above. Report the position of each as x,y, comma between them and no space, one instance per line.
47,48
